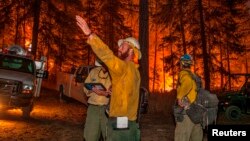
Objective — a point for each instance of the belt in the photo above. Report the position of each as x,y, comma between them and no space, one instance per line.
96,105
115,118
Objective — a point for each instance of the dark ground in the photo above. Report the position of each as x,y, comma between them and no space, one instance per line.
63,121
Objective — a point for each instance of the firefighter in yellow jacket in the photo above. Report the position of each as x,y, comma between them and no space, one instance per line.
96,119
185,129
126,79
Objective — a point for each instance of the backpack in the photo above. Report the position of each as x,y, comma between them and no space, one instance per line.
143,104
207,101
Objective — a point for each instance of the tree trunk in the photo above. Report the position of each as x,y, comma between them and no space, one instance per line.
209,44
111,33
221,69
194,58
17,25
155,58
172,60
36,6
89,15
3,46
246,61
24,27
228,67
155,55
163,69
24,33
182,28
143,39
204,47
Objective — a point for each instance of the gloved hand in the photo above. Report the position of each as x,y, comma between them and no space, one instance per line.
178,113
179,117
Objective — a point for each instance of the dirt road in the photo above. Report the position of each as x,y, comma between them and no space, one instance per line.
50,120
56,121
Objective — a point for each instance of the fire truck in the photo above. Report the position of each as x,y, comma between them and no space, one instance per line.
20,79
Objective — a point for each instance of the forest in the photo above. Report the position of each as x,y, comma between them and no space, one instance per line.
215,32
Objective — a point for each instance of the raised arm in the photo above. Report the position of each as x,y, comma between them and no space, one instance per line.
114,64
83,25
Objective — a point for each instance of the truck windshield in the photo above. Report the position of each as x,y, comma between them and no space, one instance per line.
16,63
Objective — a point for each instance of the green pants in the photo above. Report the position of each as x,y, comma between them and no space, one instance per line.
188,131
130,134
95,124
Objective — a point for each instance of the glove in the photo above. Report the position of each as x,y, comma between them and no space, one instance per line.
178,113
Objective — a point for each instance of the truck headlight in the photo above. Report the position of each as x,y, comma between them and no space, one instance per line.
27,89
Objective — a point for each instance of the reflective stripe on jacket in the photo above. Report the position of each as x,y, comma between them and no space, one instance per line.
125,80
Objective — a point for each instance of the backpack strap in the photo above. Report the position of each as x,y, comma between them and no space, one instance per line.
191,74
194,77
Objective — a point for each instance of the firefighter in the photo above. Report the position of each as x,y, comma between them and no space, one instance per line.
96,119
185,129
122,125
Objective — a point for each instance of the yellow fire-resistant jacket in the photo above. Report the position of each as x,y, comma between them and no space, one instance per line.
96,75
125,81
186,86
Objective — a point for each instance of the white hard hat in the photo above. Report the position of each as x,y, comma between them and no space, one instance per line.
131,40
